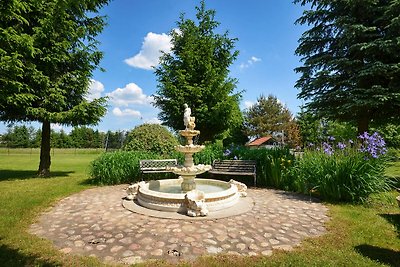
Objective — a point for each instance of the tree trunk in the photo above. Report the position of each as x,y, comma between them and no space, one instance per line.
44,165
363,125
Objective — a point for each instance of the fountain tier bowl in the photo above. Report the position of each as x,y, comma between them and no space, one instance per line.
166,195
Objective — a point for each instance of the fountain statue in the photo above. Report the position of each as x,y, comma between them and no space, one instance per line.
187,194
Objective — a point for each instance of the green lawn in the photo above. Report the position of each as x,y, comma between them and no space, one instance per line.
358,235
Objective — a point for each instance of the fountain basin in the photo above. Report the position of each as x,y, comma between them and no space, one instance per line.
165,195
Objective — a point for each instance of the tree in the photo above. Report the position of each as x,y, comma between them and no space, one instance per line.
391,134
266,117
47,54
293,134
311,127
315,130
60,139
19,136
351,60
196,72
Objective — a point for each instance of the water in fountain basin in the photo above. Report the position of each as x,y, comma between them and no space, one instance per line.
176,188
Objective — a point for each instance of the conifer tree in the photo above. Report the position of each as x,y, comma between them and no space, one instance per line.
196,72
351,60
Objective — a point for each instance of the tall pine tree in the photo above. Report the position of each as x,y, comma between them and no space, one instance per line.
351,60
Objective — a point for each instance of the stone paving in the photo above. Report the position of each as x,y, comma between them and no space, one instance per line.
94,223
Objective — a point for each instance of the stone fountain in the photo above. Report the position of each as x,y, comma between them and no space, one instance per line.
187,194
189,171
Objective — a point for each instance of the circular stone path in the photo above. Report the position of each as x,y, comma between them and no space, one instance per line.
94,223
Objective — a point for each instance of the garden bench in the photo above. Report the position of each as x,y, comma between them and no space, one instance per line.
234,167
156,165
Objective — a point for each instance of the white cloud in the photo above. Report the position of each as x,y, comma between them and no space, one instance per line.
126,112
254,59
249,62
56,127
153,121
150,51
130,94
95,90
248,104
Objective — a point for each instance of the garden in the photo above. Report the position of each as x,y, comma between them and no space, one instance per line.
355,180
339,153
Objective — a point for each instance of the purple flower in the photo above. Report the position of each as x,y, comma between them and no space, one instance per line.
327,148
227,152
235,157
341,145
331,138
374,145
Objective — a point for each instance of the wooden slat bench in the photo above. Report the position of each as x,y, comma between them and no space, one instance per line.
156,165
234,167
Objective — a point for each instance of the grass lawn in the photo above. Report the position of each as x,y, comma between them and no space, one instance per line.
358,235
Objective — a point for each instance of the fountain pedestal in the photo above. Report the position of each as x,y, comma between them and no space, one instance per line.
188,183
189,171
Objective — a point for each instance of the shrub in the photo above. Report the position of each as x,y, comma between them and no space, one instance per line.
272,164
343,171
151,138
118,167
209,154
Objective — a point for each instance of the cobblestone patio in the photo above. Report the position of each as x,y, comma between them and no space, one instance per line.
94,223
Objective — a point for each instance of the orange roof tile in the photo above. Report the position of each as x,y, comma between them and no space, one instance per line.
260,141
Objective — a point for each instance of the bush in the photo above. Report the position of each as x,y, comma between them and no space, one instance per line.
343,172
118,167
272,164
209,154
151,138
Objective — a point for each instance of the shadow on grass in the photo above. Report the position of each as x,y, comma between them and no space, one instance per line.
8,175
382,255
11,257
395,220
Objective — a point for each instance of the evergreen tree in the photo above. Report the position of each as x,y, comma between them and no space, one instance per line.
18,136
196,73
47,55
351,60
266,117
315,130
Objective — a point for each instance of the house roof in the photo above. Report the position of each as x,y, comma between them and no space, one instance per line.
259,141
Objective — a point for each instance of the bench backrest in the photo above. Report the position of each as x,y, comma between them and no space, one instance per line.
235,165
156,164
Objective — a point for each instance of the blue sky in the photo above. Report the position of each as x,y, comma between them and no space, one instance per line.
137,30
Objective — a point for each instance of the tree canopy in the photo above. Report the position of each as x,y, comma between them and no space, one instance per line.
47,54
351,60
196,72
266,116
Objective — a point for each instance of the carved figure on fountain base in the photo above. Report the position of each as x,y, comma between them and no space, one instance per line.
196,203
242,188
132,190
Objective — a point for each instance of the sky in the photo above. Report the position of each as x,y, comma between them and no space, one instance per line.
138,30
